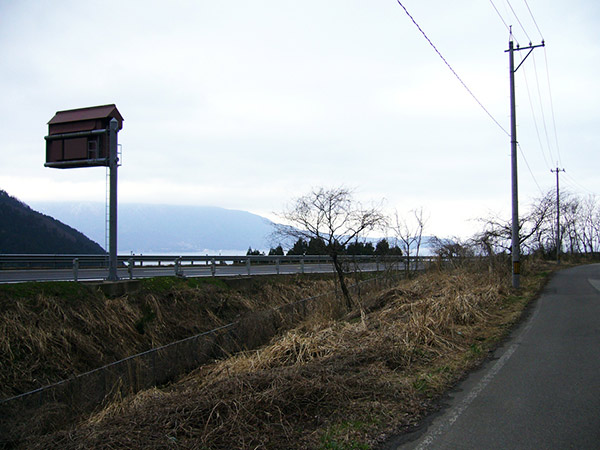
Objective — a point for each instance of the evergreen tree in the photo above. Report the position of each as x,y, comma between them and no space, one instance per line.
300,248
277,251
317,246
382,247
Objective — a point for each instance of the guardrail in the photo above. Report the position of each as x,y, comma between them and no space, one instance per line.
75,267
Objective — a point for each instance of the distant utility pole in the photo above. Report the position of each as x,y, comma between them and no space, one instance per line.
516,252
558,243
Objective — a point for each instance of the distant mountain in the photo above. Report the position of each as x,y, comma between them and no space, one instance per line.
23,230
145,228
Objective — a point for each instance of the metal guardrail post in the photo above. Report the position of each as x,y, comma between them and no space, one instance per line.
130,268
277,266
213,267
248,265
75,269
178,271
302,265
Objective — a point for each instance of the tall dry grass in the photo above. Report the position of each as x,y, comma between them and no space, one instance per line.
325,383
52,331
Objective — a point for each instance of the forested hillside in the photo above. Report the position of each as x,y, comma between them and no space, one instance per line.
23,230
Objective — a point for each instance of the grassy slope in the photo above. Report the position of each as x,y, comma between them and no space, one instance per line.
326,384
51,331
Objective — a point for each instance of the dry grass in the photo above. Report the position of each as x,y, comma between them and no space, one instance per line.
52,331
325,384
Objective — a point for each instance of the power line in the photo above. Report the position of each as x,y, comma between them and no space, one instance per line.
579,185
451,69
529,168
533,18
519,22
552,106
541,107
499,15
537,131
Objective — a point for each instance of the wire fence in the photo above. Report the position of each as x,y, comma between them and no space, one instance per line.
48,408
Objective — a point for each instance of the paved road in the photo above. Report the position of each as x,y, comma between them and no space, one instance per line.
542,390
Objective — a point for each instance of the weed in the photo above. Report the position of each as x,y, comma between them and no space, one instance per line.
148,314
421,384
475,350
160,285
66,290
337,437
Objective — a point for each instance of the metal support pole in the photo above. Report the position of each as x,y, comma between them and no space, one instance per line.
112,227
130,268
248,265
213,267
75,269
516,251
277,266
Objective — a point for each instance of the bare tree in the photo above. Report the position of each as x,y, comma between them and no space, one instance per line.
535,230
333,216
453,250
590,234
409,234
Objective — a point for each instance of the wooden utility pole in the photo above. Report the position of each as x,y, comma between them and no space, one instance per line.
558,242
516,251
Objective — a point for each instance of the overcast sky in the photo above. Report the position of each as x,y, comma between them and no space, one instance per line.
248,104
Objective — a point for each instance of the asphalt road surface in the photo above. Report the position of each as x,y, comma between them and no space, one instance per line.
541,390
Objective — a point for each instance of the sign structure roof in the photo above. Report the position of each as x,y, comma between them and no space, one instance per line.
89,113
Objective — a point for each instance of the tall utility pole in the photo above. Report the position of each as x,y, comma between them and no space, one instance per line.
516,252
558,243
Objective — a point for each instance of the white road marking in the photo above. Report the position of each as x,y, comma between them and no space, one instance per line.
452,416
595,283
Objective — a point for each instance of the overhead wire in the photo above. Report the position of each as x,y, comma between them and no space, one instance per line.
550,97
518,20
529,168
569,179
537,81
529,94
499,15
537,131
533,18
573,181
552,107
509,28
451,69
542,109
548,83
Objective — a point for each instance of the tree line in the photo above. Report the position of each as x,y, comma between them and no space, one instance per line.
330,222
318,246
578,231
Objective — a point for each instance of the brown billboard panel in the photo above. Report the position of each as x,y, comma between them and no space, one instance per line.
78,137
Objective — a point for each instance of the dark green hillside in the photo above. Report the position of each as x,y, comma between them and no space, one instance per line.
23,230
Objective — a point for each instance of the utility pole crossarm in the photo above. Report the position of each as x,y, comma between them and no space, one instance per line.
529,47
